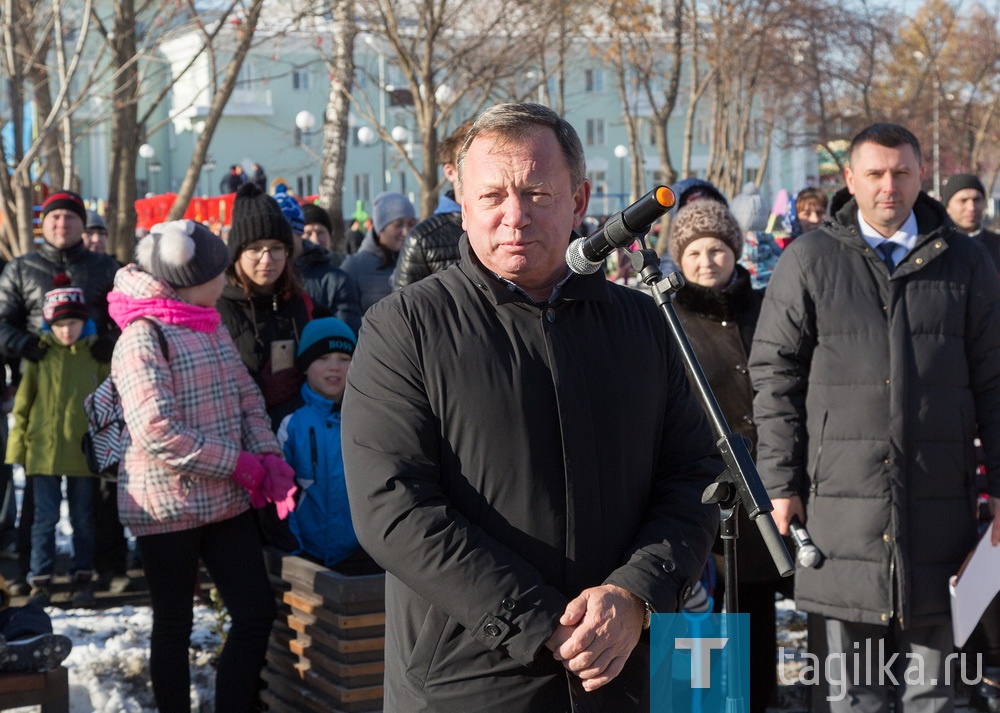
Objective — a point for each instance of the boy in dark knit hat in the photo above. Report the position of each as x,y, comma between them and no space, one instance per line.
49,422
310,437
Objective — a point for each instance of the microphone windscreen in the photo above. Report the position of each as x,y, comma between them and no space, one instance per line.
577,262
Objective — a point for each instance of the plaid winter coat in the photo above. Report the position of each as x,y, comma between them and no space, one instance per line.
188,417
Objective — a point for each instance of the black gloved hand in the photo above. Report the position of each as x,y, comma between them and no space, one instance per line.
33,351
102,348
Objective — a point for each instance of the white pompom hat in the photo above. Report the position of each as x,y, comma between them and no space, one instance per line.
183,253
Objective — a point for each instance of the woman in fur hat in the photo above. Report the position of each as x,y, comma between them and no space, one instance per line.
719,308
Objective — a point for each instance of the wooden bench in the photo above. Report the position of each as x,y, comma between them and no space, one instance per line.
49,689
327,647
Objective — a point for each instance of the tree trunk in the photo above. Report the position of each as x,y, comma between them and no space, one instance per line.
125,136
335,128
190,182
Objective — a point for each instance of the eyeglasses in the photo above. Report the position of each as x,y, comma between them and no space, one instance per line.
276,253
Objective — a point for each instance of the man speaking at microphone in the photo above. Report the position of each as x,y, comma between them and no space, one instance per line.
523,453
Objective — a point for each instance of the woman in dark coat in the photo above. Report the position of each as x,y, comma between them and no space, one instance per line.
719,308
265,311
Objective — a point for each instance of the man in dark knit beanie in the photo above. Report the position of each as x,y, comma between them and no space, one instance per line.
23,285
319,227
964,198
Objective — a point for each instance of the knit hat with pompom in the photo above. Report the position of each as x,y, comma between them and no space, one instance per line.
64,302
182,253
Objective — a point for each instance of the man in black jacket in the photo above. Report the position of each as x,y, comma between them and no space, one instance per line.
528,510
875,365
23,285
432,244
964,198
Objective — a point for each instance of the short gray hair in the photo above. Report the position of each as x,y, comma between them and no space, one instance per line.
510,122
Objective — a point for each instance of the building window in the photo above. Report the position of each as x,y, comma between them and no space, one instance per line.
304,185
599,182
594,79
302,80
595,132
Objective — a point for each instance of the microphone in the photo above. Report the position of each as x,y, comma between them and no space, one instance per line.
586,255
807,554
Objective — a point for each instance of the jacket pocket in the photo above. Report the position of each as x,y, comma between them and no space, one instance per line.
814,469
426,645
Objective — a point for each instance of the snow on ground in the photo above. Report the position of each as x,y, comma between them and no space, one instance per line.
109,664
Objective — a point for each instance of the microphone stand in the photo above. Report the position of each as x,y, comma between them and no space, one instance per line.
740,482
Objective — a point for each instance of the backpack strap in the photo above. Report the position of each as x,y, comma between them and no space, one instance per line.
159,334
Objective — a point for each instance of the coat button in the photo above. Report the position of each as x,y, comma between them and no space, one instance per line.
550,315
884,617
937,245
669,566
885,537
508,604
492,630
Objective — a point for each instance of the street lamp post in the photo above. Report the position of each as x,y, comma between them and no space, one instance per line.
936,119
370,41
621,151
209,166
401,135
146,152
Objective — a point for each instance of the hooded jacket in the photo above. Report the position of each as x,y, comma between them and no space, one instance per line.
188,417
310,437
371,269
496,468
49,420
870,391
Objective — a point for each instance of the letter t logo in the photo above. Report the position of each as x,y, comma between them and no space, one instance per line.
701,673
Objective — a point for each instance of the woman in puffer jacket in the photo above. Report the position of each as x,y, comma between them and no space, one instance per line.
198,452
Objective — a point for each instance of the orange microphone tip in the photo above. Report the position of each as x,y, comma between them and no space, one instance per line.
665,197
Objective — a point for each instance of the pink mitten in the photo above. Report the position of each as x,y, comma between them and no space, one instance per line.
280,484
249,471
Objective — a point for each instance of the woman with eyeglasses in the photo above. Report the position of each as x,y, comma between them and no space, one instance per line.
265,310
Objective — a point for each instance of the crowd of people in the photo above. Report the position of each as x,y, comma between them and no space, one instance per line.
441,404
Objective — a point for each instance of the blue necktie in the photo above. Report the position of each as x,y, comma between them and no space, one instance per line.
885,250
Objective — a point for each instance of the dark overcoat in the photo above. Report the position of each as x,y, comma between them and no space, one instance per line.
870,390
504,455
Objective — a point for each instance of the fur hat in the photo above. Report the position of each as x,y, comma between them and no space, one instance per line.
64,302
67,200
256,216
322,336
94,221
317,214
959,182
704,219
182,253
389,207
290,208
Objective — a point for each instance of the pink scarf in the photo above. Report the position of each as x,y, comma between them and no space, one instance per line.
125,309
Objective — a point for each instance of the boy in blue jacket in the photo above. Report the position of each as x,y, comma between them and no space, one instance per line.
310,438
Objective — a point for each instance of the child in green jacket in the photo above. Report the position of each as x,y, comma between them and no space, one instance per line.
49,422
